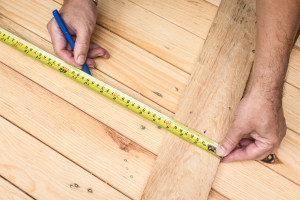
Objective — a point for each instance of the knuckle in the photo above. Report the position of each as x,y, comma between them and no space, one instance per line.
229,141
273,141
49,25
82,44
57,52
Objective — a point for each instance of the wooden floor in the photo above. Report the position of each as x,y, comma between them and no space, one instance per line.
60,140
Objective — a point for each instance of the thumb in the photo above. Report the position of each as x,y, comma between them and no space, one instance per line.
81,46
230,141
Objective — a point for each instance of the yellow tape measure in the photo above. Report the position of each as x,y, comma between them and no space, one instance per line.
113,94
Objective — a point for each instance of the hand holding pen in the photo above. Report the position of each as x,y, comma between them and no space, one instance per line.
79,20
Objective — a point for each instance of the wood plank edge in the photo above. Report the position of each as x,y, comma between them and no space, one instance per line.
204,38
16,187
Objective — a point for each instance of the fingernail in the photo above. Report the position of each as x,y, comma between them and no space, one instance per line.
221,151
81,59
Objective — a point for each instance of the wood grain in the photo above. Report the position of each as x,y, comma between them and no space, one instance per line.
42,172
129,64
79,137
194,16
273,181
248,180
10,192
207,105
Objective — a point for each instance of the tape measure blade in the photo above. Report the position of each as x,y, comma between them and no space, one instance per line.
110,92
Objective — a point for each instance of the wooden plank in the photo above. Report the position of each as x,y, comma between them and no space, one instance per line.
293,72
81,138
194,16
10,192
249,180
151,32
42,172
127,123
128,64
287,161
214,91
291,107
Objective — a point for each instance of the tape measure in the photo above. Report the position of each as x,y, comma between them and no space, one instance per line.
109,92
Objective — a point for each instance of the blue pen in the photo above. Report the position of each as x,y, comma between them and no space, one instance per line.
68,36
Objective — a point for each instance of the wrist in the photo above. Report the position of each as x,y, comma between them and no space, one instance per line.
266,98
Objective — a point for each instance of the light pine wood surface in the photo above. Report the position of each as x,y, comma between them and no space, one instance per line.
155,46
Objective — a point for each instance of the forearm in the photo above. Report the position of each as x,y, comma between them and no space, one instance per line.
277,24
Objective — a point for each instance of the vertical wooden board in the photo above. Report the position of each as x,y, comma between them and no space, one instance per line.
10,192
151,32
287,160
94,146
194,16
251,180
291,107
207,105
128,64
293,73
46,46
42,172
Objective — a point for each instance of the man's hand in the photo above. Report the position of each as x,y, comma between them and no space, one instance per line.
80,18
260,113
261,116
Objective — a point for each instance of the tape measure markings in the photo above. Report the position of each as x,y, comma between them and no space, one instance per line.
106,90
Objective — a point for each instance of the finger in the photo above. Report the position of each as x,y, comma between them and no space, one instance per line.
82,44
230,141
245,142
60,43
69,47
253,151
90,62
96,51
68,57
